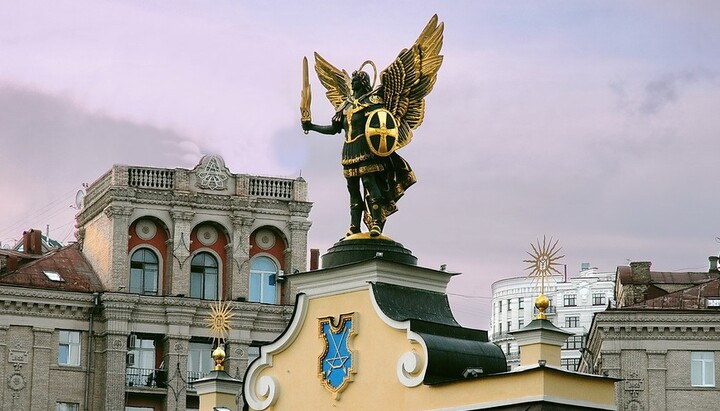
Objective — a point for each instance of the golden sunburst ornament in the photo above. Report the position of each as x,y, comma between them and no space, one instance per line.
219,321
219,324
544,258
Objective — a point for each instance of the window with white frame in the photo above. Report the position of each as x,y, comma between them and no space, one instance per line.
521,323
572,321
140,369
570,300
574,342
200,361
204,276
144,270
263,276
702,368
521,303
69,348
66,406
598,299
570,364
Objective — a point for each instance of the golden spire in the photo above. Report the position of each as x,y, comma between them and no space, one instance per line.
544,258
219,324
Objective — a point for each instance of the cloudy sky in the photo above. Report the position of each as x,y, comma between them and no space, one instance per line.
594,123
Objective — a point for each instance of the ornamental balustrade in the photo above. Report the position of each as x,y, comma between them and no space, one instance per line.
146,377
177,179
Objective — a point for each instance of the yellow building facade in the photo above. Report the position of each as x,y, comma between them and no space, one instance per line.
379,334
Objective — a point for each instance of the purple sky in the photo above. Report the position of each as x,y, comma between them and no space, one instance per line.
595,123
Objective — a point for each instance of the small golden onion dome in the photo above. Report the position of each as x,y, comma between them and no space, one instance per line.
542,303
218,356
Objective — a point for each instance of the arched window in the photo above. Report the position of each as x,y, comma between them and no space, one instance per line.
144,272
204,276
263,274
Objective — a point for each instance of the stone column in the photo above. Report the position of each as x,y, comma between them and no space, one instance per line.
3,370
119,215
237,360
176,357
238,257
42,358
179,282
117,314
298,244
657,379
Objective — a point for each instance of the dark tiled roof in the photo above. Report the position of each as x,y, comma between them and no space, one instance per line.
660,277
404,303
691,298
451,348
76,272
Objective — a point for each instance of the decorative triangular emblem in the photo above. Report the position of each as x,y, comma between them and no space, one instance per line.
336,365
212,174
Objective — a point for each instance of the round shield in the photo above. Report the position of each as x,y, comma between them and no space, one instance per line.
381,132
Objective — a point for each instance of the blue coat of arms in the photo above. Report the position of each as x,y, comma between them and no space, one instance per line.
336,364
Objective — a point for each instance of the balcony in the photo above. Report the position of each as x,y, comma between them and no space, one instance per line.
501,337
146,377
149,178
193,376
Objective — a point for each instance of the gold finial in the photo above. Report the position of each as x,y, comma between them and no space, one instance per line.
544,257
542,303
219,324
218,356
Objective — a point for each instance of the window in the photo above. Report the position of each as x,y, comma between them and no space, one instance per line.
521,303
500,328
508,305
572,321
500,306
54,276
204,276
263,273
570,300
509,323
140,361
702,369
66,406
521,323
570,364
69,348
200,362
507,349
598,299
144,272
573,343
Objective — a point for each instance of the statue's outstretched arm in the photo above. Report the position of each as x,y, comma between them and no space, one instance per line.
333,128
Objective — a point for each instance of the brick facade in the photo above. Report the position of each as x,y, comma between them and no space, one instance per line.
109,318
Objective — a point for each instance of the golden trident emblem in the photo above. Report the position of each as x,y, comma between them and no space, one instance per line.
305,95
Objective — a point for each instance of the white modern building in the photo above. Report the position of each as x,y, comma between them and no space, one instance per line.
573,301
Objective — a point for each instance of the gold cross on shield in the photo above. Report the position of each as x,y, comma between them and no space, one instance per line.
386,129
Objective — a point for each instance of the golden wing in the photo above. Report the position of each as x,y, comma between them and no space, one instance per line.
337,82
411,77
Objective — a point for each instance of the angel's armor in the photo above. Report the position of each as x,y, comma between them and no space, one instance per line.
385,179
